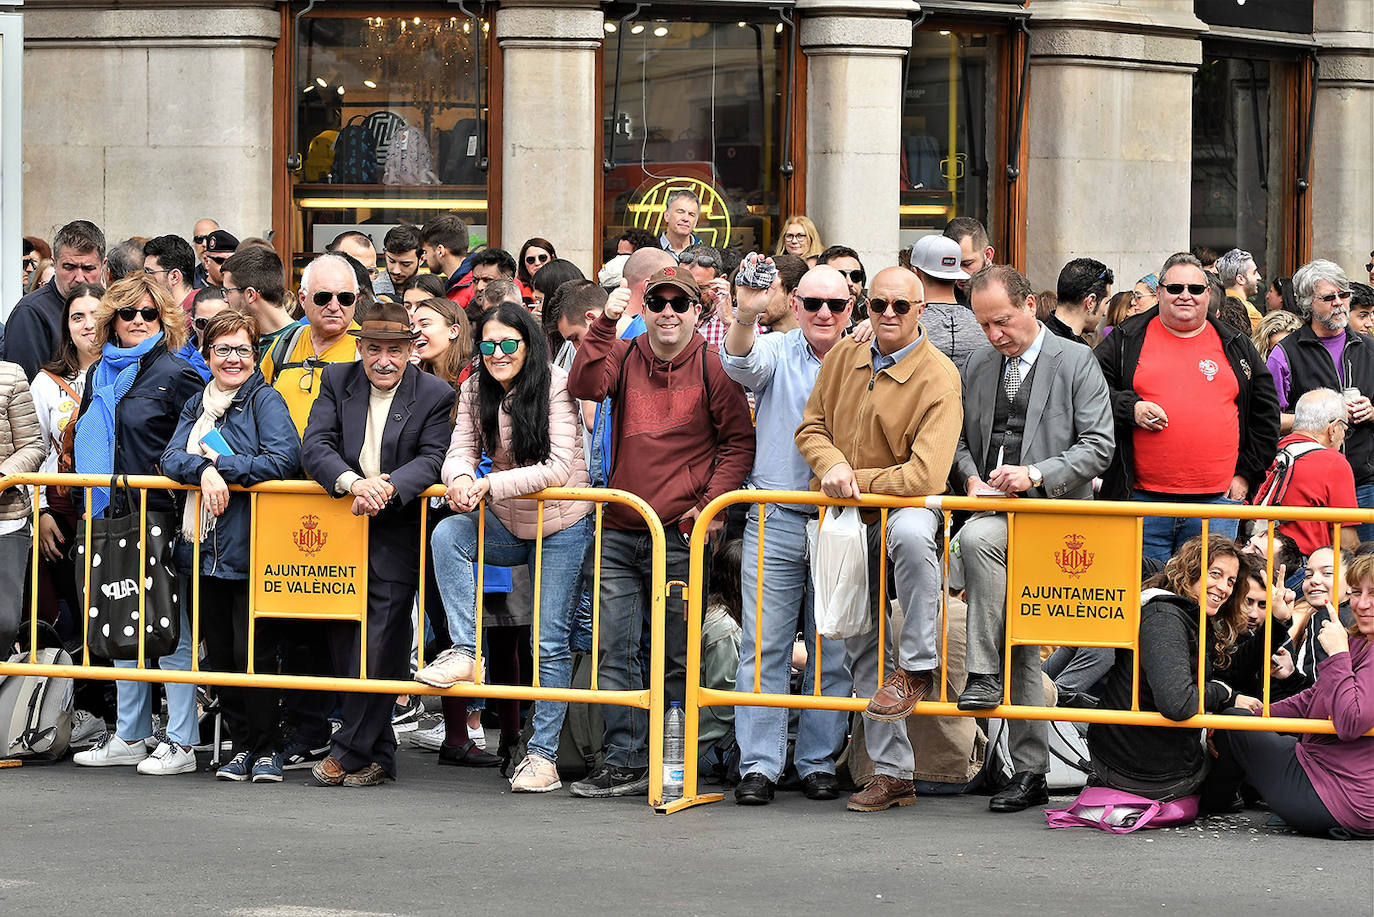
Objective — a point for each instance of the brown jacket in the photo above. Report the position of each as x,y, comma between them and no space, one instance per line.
22,448
897,430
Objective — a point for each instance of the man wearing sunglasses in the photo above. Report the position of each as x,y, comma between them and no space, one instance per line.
219,245
1197,417
884,418
1327,353
199,234
845,260
1037,425
681,436
781,371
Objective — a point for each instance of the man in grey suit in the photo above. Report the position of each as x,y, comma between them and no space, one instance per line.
1037,424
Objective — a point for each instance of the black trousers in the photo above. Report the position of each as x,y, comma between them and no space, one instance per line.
250,713
366,736
304,648
1269,762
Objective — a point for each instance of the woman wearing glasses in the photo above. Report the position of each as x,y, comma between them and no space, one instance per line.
799,237
516,409
534,254
237,430
129,408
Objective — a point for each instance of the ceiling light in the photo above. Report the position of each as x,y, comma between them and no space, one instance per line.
661,31
369,84
610,27
321,82
340,90
636,29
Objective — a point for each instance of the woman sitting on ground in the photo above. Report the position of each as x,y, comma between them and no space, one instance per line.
1167,763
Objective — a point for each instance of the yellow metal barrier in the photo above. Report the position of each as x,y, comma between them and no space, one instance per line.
649,698
698,696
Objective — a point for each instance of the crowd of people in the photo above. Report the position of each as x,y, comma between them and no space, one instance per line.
679,373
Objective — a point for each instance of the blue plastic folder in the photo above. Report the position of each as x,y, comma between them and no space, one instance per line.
214,440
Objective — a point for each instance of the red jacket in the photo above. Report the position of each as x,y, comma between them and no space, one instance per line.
1321,477
681,431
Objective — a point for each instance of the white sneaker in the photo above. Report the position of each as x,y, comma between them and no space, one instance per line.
87,729
535,775
112,752
168,758
448,669
429,739
478,735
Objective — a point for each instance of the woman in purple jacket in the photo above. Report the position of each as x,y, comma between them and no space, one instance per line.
1323,784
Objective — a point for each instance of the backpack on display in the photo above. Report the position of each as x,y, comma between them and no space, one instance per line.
383,125
355,155
458,164
1280,473
36,710
408,158
319,157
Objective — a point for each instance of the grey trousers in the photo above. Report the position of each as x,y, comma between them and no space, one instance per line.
15,551
983,550
915,581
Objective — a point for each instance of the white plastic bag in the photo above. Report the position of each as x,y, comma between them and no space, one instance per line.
839,573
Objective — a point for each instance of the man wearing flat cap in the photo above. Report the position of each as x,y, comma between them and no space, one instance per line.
377,436
219,245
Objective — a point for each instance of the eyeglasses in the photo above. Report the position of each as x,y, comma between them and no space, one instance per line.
1176,289
657,304
880,306
229,289
536,259
705,261
1370,267
508,346
1136,294
200,240
243,351
309,364
218,260
150,271
1331,298
795,237
345,298
30,263
200,323
855,276
148,313
814,303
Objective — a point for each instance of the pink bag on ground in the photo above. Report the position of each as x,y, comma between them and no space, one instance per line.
1120,812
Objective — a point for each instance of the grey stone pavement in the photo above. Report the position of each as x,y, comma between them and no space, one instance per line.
456,841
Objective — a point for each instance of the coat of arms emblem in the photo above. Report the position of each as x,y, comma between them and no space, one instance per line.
1075,559
310,538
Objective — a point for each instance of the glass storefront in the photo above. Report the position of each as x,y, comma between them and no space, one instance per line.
948,130
700,107
391,114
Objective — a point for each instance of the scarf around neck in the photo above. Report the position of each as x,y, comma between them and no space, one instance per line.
93,445
212,407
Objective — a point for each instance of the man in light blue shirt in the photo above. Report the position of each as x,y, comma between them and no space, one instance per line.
781,370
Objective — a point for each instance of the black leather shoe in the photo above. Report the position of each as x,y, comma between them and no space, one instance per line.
981,692
821,785
467,755
754,790
1025,790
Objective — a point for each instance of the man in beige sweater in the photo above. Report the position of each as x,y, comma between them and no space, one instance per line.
884,418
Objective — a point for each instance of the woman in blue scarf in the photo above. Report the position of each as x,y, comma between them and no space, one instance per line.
133,397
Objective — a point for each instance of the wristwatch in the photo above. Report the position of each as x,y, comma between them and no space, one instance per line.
1037,479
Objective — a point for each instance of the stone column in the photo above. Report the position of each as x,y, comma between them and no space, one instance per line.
1109,134
1343,146
854,54
549,121
147,117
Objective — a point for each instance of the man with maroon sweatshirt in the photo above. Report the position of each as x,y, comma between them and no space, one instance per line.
682,436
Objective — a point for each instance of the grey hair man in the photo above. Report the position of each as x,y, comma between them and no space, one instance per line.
680,213
1320,474
1327,353
1241,276
35,325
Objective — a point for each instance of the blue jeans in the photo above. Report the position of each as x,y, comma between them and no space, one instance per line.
1164,535
454,546
762,731
134,716
1364,499
626,569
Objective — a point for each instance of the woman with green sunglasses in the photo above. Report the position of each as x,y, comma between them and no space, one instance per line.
517,411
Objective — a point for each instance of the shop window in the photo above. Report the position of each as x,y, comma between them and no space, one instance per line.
700,107
948,130
391,121
1236,178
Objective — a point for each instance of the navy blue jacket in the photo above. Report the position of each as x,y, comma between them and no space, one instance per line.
258,427
35,329
144,420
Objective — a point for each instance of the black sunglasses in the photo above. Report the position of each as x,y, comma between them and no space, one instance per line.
880,306
344,297
657,304
148,312
200,323
1176,289
200,240
219,260
705,261
536,259
1370,267
508,346
855,276
814,303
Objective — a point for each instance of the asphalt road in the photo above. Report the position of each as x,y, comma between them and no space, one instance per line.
456,841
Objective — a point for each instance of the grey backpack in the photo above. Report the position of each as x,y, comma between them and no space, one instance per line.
36,710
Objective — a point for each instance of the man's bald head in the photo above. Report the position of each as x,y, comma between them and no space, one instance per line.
896,300
825,325
823,281
644,263
901,281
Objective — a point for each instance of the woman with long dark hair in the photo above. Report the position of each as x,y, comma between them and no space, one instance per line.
516,410
546,283
534,254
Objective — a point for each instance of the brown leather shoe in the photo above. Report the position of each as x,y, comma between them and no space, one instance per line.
372,775
328,772
883,792
898,696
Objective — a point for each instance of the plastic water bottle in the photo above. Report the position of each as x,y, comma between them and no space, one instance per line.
673,760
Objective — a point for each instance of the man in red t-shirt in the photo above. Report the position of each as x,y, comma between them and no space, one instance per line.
1321,475
1197,419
